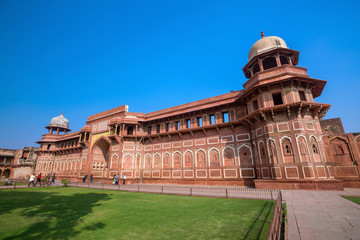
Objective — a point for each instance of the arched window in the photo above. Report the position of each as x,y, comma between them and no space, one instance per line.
272,151
256,68
302,148
214,158
287,149
339,150
245,155
156,161
229,157
284,60
166,161
269,62
200,159
188,161
315,150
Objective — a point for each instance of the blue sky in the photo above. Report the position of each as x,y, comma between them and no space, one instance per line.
84,57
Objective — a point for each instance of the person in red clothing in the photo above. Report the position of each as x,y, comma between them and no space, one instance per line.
38,179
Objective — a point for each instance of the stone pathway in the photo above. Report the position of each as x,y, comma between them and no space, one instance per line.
322,215
58,184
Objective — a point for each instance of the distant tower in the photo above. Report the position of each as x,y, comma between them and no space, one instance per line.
58,127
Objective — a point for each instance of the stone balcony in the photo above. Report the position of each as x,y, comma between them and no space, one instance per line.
274,74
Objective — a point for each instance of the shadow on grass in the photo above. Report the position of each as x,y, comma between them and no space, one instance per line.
256,229
57,214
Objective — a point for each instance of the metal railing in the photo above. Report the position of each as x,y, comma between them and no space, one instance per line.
187,190
276,222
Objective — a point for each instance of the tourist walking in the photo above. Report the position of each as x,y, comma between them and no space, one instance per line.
38,179
31,180
124,179
84,178
114,179
48,179
117,179
53,179
91,177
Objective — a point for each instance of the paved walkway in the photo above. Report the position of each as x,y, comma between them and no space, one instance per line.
58,184
322,215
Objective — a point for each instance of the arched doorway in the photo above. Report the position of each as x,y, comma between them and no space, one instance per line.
100,156
6,173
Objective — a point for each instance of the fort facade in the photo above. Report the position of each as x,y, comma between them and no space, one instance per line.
269,134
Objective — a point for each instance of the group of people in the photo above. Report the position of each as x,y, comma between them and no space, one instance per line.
38,179
116,179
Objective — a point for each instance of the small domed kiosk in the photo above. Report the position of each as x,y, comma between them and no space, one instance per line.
59,125
269,52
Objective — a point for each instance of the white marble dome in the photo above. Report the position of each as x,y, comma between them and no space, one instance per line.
266,44
59,121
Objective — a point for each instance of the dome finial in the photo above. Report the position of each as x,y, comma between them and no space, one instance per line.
62,113
262,34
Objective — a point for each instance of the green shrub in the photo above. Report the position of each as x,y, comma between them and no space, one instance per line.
65,182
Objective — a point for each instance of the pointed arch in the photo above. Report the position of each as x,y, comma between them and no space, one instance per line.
272,151
99,140
245,155
38,165
138,161
156,160
262,153
127,161
166,160
83,163
303,148
6,173
214,157
188,159
176,159
77,166
340,149
287,149
114,161
100,151
147,161
229,156
200,156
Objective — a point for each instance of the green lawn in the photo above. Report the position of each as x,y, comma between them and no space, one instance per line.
353,199
77,213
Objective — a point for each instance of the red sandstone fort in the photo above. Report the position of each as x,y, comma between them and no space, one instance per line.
268,135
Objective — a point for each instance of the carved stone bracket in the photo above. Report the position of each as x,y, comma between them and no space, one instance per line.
288,111
305,110
299,110
204,131
232,127
218,129
263,116
316,112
